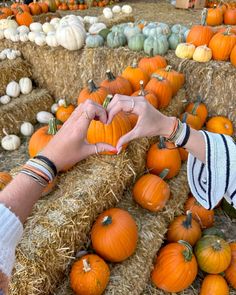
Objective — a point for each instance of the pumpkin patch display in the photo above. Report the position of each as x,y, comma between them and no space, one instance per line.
220,124
214,284
114,235
230,271
175,268
5,178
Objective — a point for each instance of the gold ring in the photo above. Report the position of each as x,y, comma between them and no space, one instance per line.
96,149
132,106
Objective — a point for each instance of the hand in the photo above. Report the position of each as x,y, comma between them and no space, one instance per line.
150,121
69,145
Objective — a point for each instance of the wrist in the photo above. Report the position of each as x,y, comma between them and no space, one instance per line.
52,156
166,126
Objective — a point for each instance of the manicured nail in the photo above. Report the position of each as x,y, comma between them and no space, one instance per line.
113,151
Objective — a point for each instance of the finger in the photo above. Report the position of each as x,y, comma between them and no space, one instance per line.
115,99
127,105
101,147
126,138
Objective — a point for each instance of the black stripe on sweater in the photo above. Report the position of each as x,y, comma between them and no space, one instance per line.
233,195
194,162
227,163
200,176
209,169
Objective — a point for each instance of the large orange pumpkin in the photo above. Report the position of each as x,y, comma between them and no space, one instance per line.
230,17
162,88
175,268
214,16
192,120
214,285
5,178
175,78
164,155
230,272
200,34
222,44
134,75
198,108
148,95
213,254
23,18
184,228
151,192
150,64
41,137
89,275
203,216
114,235
220,125
117,85
97,94
233,56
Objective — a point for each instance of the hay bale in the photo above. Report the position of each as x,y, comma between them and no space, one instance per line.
45,17
60,223
13,70
117,19
23,108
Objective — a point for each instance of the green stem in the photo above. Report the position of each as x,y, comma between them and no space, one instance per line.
52,126
168,68
164,173
217,246
188,252
227,32
158,77
134,64
188,221
204,16
185,116
107,220
86,265
110,76
195,107
91,86
162,144
107,101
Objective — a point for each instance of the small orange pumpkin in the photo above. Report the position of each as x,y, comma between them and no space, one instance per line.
89,275
6,10
198,108
183,154
148,95
64,111
184,228
23,18
164,155
150,64
215,285
35,8
213,254
175,268
44,6
192,120
151,192
220,125
5,178
214,16
114,235
230,17
231,270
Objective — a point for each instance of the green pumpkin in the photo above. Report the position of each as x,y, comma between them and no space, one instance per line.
178,29
131,30
175,39
120,28
157,45
115,40
213,231
93,41
136,42
104,33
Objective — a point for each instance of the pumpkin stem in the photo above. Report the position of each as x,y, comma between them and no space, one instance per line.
168,68
107,220
107,101
20,10
151,52
52,126
227,31
110,76
199,98
134,64
185,116
204,16
195,106
5,132
142,92
158,77
188,252
91,86
86,265
217,245
164,173
188,221
162,144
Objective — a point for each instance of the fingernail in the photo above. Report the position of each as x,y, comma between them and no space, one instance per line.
114,151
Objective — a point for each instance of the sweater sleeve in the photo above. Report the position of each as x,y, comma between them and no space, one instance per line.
210,182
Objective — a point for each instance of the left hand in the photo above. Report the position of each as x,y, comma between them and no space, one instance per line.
69,145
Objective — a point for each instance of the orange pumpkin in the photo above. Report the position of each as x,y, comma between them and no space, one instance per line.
148,95
223,30
150,64
176,79
162,88
7,11
64,111
200,34
220,125
175,268
5,178
164,155
222,44
35,8
134,75
2,15
99,132
24,7
97,94
198,108
133,119
117,85
192,120
230,17
184,228
41,137
89,275
215,285
233,56
44,7
183,154
213,254
23,18
214,16
114,235
231,270
151,192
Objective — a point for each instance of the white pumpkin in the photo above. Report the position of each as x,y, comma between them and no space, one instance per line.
13,89
71,19
96,28
5,99
24,37
127,9
23,30
55,21
54,108
25,85
106,9
26,129
80,18
10,32
15,38
40,40
36,27
32,36
61,102
10,142
3,55
51,40
1,34
6,50
8,23
47,27
108,14
116,9
44,117
12,55
70,37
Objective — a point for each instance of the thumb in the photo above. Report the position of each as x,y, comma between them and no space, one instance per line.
101,147
125,139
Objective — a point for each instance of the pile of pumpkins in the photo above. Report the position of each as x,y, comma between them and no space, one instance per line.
204,43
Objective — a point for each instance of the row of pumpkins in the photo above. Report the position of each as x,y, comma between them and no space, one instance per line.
221,14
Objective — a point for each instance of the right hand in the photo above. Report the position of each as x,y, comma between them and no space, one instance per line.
150,122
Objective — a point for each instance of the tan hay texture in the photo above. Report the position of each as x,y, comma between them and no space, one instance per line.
12,70
45,17
23,108
60,223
